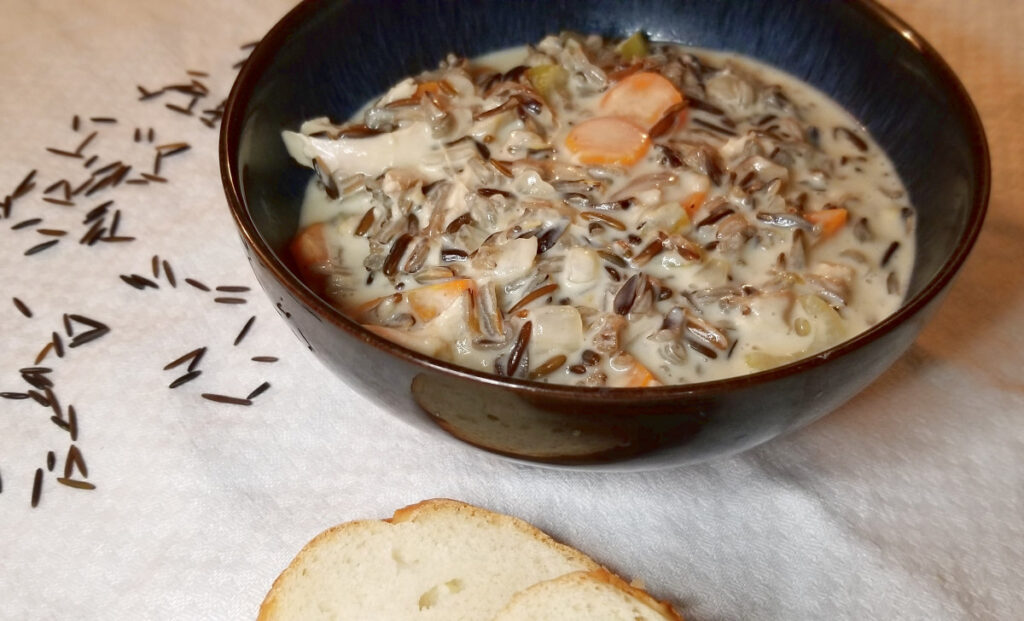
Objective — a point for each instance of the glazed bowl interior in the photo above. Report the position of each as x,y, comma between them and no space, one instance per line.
330,58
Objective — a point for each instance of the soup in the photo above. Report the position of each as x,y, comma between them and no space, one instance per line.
604,213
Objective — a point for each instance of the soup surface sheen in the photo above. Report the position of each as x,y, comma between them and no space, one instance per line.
604,213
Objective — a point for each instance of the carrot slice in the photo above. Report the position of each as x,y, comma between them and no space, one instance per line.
608,140
430,301
642,97
693,202
309,249
433,86
828,220
636,376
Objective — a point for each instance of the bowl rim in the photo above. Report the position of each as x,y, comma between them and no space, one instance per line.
230,138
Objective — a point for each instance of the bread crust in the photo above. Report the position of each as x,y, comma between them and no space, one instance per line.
424,511
602,576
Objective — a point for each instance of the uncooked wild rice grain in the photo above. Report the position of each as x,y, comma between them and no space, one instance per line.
225,399
184,379
262,388
41,247
22,307
244,330
37,487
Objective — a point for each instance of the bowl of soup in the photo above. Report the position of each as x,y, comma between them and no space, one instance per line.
601,235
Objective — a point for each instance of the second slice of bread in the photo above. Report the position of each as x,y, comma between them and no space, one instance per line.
436,560
596,595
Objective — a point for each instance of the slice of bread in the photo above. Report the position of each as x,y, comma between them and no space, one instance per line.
436,560
596,595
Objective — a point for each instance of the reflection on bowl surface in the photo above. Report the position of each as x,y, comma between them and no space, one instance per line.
329,58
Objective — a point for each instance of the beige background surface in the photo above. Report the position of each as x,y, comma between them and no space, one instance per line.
904,504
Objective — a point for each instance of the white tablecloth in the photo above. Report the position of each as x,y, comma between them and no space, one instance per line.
906,503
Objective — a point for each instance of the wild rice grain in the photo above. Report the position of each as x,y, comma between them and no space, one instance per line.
39,398
197,284
58,201
169,274
98,330
93,234
130,281
73,423
63,153
244,330
74,460
229,300
43,352
97,212
155,264
53,186
519,349
262,388
58,345
75,484
51,460
193,355
548,367
225,399
22,308
184,379
891,250
41,247
178,109
82,145
144,282
103,119
54,403
25,186
26,223
264,359
52,232
37,487
35,370
14,396
232,289
75,121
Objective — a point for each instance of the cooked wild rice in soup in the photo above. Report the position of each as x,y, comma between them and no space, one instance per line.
604,213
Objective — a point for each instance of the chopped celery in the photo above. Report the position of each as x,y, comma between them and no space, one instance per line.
548,79
634,47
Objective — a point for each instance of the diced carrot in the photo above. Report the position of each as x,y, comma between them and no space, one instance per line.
828,220
642,97
433,86
430,301
640,377
693,202
309,249
636,374
608,140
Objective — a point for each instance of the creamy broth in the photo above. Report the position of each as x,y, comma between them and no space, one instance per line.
719,218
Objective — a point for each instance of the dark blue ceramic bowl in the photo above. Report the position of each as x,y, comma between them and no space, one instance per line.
329,57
